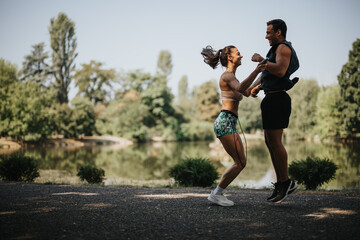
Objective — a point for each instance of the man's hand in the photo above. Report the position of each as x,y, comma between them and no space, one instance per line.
254,92
257,58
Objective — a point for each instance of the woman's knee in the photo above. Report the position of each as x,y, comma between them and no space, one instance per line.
240,165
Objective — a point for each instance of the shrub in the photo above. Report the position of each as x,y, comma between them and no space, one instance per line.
313,172
18,168
91,174
194,172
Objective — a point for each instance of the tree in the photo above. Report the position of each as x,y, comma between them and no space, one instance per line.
83,116
91,80
127,117
303,108
250,114
157,96
134,81
35,68
349,81
328,116
182,89
8,76
207,101
63,44
8,73
164,65
28,115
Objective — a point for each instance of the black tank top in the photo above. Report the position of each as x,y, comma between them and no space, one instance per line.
270,82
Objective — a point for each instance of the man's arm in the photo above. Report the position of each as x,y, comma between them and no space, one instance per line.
283,55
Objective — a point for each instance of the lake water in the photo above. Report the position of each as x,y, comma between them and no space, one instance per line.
151,162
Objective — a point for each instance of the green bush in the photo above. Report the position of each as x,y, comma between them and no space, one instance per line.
313,172
91,174
194,172
18,168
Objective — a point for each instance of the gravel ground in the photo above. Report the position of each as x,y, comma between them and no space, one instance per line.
36,211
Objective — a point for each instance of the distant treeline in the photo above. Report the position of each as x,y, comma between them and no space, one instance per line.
34,101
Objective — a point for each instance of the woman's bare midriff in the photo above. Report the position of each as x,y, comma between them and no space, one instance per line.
231,106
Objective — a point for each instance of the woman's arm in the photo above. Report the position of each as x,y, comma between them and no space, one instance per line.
247,92
234,84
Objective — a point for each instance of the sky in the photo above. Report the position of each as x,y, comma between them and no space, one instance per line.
129,34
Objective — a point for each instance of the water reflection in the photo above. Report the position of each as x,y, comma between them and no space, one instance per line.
153,161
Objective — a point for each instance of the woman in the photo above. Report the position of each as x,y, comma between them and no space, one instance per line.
225,124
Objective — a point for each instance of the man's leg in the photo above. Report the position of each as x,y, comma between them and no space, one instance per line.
278,153
272,156
276,184
284,185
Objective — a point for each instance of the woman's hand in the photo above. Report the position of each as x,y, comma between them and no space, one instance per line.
254,92
257,58
260,67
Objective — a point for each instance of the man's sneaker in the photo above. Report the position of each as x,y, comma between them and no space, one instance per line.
220,200
275,192
284,190
293,187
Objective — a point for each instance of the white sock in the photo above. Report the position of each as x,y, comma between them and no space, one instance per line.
218,190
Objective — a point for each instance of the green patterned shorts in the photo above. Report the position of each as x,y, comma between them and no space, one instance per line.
225,123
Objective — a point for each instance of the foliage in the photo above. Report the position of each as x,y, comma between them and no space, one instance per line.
303,109
83,116
8,76
313,172
35,68
164,65
63,44
207,101
184,100
250,114
158,98
62,119
91,174
194,172
183,89
127,117
72,122
197,131
27,115
91,80
18,168
328,115
349,81
136,81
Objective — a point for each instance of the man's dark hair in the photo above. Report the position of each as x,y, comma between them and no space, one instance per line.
278,24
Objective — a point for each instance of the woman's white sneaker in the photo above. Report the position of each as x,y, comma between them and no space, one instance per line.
220,200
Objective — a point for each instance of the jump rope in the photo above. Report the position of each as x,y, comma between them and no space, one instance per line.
243,165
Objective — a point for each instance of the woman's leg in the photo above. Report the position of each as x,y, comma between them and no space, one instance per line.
234,147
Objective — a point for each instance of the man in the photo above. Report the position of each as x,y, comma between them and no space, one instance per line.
282,61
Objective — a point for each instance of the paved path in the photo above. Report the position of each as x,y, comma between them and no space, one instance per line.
34,211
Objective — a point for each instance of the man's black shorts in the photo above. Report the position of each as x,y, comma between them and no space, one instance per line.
276,110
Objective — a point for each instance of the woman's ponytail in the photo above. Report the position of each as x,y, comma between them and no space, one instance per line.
210,57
